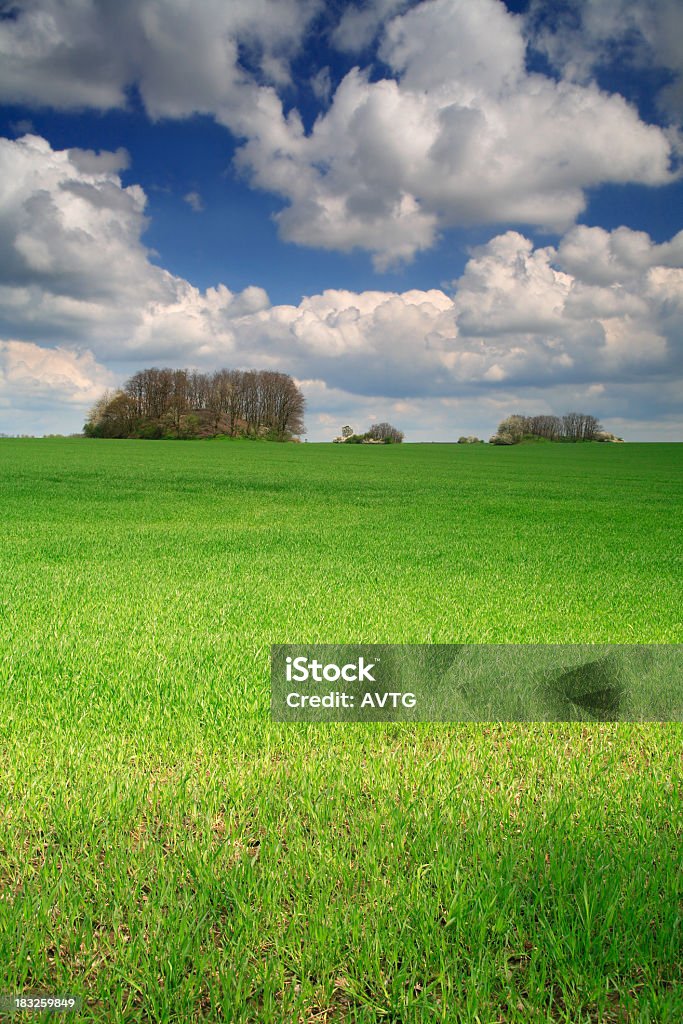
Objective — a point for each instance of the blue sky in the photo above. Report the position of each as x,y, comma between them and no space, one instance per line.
436,212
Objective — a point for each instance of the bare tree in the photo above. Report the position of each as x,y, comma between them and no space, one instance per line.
549,427
385,432
591,427
578,426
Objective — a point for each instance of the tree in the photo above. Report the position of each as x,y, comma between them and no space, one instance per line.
578,426
549,427
185,403
347,432
510,430
591,428
113,415
178,405
502,438
385,432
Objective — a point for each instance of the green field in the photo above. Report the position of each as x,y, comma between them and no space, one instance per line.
169,854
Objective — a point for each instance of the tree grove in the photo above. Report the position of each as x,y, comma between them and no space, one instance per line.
156,403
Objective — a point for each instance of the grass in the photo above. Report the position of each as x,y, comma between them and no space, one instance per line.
169,854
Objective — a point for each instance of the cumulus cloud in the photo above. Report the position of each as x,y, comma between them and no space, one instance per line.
67,224
600,257
557,315
598,317
74,264
44,390
517,318
457,132
461,133
580,36
184,58
58,374
92,162
360,23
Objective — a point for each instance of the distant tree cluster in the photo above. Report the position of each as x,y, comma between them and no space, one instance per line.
573,426
169,403
379,433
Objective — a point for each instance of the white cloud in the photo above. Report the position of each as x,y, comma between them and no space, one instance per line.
359,24
73,260
91,162
184,57
454,43
461,134
194,201
68,225
566,315
58,373
510,287
457,133
601,257
517,320
598,317
581,35
45,390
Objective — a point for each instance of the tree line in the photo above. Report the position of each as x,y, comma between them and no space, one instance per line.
166,403
573,426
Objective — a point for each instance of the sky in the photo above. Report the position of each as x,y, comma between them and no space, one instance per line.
432,212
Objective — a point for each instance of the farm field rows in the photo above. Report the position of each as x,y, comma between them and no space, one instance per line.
167,853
